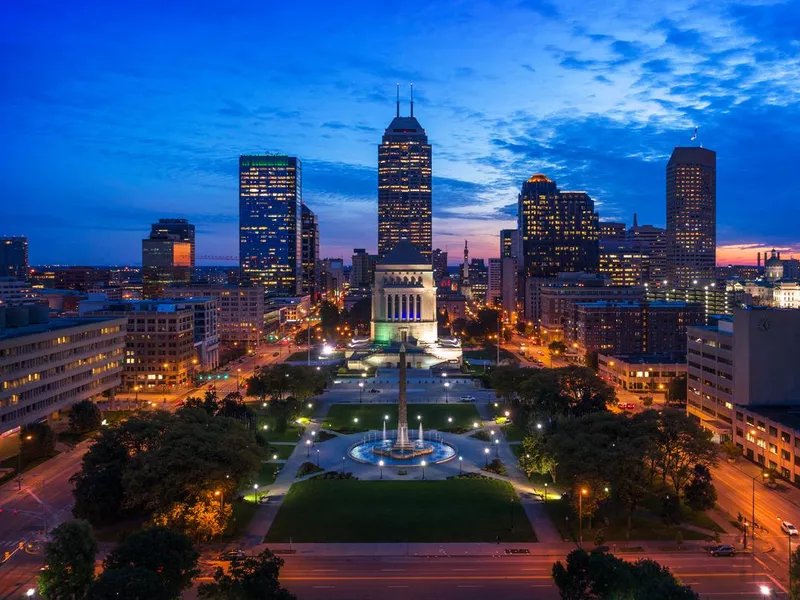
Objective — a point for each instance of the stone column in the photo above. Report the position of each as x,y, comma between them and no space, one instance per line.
402,406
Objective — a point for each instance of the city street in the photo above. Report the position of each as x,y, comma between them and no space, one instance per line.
372,576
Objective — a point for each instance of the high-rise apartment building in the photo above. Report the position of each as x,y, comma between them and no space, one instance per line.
623,263
439,264
167,256
404,185
240,318
14,257
691,216
509,287
270,222
611,230
509,243
494,289
362,273
652,241
310,251
558,230
332,278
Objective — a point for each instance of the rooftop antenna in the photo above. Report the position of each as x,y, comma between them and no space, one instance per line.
398,99
412,99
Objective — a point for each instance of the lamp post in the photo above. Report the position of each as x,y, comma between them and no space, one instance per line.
545,493
313,438
789,536
343,465
580,515
460,458
497,448
308,448
423,463
238,379
512,514
361,392
765,591
446,388
255,492
380,464
486,455
221,497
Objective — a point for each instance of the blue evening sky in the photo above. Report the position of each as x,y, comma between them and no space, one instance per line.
113,114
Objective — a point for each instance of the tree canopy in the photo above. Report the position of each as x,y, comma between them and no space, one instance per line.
69,555
252,578
84,416
598,575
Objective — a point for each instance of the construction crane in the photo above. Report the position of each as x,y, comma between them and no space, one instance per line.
217,257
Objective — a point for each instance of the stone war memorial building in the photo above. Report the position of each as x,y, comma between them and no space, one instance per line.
404,313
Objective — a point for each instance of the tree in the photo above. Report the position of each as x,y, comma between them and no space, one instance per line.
557,347
330,318
131,583
602,576
676,391
84,416
283,411
208,403
591,360
731,450
169,554
37,440
69,556
700,493
252,578
203,519
536,457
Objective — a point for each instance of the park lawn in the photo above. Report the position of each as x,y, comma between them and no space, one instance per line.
282,451
490,353
455,510
513,433
292,433
266,474
242,514
370,417
690,517
645,525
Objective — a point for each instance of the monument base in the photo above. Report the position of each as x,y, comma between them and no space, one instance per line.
403,451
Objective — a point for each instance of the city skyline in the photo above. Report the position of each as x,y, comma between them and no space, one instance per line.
132,132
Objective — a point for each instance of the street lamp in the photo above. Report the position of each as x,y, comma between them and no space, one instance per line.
508,414
497,447
539,426
446,387
765,591
545,493
789,536
317,457
486,455
308,447
584,491
474,424
361,392
423,463
380,464
343,465
460,458
255,491
218,493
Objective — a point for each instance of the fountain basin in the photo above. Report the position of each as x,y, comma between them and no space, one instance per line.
432,452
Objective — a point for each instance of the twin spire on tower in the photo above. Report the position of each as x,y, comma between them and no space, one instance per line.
398,99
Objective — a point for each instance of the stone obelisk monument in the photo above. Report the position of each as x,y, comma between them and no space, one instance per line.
402,443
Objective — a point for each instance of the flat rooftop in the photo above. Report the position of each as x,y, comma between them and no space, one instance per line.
11,333
787,415
649,359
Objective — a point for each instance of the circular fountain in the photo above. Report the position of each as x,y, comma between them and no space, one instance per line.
402,451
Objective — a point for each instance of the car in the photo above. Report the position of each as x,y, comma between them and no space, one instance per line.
630,405
374,391
231,554
467,398
788,528
622,405
723,550
275,353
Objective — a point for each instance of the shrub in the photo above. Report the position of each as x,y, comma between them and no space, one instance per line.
496,466
307,468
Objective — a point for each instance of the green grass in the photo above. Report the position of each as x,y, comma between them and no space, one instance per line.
456,510
266,474
645,526
115,416
490,353
370,417
513,433
283,452
241,516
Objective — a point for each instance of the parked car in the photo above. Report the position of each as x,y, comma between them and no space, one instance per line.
630,405
374,391
622,405
231,554
787,527
723,550
275,353
467,398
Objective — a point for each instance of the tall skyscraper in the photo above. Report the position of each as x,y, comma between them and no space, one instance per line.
310,251
179,227
691,216
558,230
14,257
362,274
404,184
270,228
494,283
651,241
167,256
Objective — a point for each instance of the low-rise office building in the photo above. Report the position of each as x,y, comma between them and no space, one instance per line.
770,436
48,365
640,373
